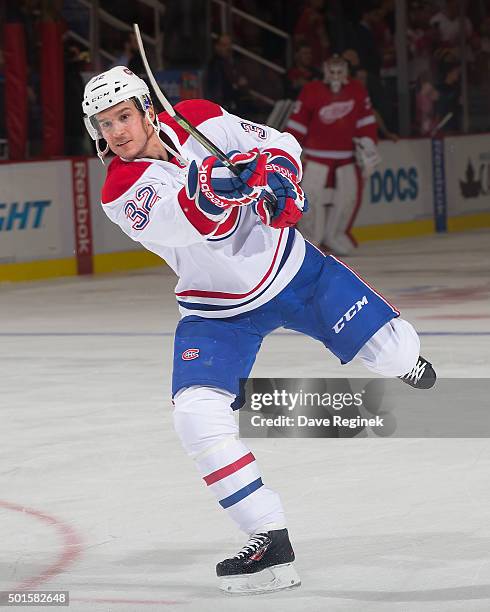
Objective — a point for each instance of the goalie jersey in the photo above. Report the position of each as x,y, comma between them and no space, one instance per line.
227,264
325,122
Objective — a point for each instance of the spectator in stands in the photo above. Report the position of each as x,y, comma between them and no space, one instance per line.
384,35
446,24
361,74
223,85
364,41
376,92
75,62
264,84
449,99
482,55
310,29
130,55
420,40
301,72
425,105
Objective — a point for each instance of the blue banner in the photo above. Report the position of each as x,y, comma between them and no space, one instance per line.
439,185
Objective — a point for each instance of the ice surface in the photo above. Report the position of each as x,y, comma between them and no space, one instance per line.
97,497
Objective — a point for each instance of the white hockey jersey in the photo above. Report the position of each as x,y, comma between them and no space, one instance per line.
226,265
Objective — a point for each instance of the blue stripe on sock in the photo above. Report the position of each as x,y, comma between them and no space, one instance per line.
241,494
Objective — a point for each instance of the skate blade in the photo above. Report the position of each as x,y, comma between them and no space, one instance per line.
270,580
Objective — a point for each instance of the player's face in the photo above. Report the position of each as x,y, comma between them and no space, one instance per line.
336,75
125,129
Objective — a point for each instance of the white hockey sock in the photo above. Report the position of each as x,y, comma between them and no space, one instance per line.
207,429
393,350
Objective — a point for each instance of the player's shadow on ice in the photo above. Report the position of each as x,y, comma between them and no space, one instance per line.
172,558
390,555
461,593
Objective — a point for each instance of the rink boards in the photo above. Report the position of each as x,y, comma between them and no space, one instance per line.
424,186
52,224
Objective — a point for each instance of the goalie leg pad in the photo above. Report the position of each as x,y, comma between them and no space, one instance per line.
340,214
314,183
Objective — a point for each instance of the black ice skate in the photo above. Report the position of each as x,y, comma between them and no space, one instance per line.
263,565
421,376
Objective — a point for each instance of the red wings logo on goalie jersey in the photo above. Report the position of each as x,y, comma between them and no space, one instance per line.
336,110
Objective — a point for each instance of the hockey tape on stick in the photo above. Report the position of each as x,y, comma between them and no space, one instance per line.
188,127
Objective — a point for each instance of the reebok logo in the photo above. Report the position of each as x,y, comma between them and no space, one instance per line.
282,171
353,310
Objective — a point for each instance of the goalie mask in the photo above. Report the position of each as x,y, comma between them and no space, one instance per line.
108,89
335,72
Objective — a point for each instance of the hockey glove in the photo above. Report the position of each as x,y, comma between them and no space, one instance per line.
214,189
281,179
367,156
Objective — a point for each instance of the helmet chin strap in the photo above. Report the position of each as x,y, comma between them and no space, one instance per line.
156,127
101,154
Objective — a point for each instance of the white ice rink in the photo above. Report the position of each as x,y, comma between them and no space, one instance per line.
97,497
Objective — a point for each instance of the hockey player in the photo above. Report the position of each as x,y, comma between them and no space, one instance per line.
242,273
334,122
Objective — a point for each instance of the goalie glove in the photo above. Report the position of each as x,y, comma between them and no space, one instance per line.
214,190
367,156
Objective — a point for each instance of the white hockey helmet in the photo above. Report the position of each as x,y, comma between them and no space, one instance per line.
108,89
335,72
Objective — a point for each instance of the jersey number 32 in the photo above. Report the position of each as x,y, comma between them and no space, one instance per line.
139,212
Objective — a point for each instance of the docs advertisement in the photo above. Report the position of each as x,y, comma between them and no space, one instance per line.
400,189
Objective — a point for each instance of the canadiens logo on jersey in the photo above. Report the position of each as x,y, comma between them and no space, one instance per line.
336,110
190,354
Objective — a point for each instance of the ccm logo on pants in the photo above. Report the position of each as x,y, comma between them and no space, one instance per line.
353,310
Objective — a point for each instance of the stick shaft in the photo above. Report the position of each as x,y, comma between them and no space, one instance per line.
188,127
181,120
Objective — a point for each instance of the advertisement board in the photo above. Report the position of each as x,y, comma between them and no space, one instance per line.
467,173
36,210
400,190
52,222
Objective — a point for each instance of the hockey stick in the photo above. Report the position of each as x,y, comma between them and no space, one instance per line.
441,124
270,199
